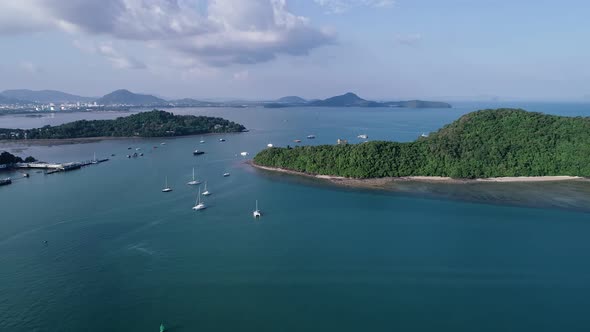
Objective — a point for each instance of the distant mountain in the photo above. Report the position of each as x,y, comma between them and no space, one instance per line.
12,101
126,97
291,100
189,102
417,104
45,96
351,99
345,100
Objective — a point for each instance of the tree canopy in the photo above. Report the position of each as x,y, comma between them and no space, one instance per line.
486,143
146,124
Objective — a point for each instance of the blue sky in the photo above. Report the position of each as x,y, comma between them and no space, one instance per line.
381,49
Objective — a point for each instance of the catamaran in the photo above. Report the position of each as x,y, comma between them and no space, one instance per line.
206,192
193,182
166,188
199,205
257,213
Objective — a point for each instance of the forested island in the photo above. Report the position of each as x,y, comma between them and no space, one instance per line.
482,144
352,100
146,124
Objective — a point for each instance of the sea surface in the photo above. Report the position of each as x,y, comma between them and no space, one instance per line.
123,256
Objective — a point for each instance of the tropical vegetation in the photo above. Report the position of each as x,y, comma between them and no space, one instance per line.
486,143
146,124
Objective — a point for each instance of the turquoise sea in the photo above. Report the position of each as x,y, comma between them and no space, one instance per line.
123,256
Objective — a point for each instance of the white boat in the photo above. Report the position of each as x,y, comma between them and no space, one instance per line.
162,143
137,149
206,192
225,174
166,188
94,161
193,182
222,139
257,213
244,154
310,136
424,135
202,140
269,145
199,205
363,136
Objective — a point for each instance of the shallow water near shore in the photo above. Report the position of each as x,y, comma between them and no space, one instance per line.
123,256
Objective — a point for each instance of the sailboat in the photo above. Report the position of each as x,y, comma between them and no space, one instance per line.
193,182
166,188
206,192
199,205
257,213
202,140
94,161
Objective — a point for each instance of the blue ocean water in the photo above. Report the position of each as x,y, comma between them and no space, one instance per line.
123,256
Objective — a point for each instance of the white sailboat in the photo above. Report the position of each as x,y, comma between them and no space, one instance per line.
257,213
193,182
202,140
206,192
199,205
94,161
166,188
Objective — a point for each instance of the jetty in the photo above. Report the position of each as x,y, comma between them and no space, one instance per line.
51,168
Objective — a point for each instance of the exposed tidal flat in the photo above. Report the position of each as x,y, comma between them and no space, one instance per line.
425,256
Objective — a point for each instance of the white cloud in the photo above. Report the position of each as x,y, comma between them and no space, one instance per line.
30,67
107,50
216,32
241,75
411,39
341,6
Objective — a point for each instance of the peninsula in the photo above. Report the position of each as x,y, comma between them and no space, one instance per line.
146,124
487,144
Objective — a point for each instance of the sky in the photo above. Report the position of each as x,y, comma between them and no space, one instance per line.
265,49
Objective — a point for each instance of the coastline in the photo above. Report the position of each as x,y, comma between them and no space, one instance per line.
383,182
82,140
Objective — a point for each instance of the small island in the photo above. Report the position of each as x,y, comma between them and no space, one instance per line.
352,100
500,145
146,124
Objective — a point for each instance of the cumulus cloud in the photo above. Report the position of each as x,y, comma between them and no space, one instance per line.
341,6
411,39
216,32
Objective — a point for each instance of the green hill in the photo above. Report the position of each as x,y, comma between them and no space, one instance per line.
487,143
146,124
45,96
126,97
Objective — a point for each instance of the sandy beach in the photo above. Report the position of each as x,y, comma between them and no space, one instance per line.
383,182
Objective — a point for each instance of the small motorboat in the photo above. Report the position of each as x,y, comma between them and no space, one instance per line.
310,136
269,145
198,152
162,143
222,139
297,141
202,140
244,154
225,175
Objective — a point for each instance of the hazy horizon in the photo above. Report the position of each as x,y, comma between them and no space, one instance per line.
455,50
